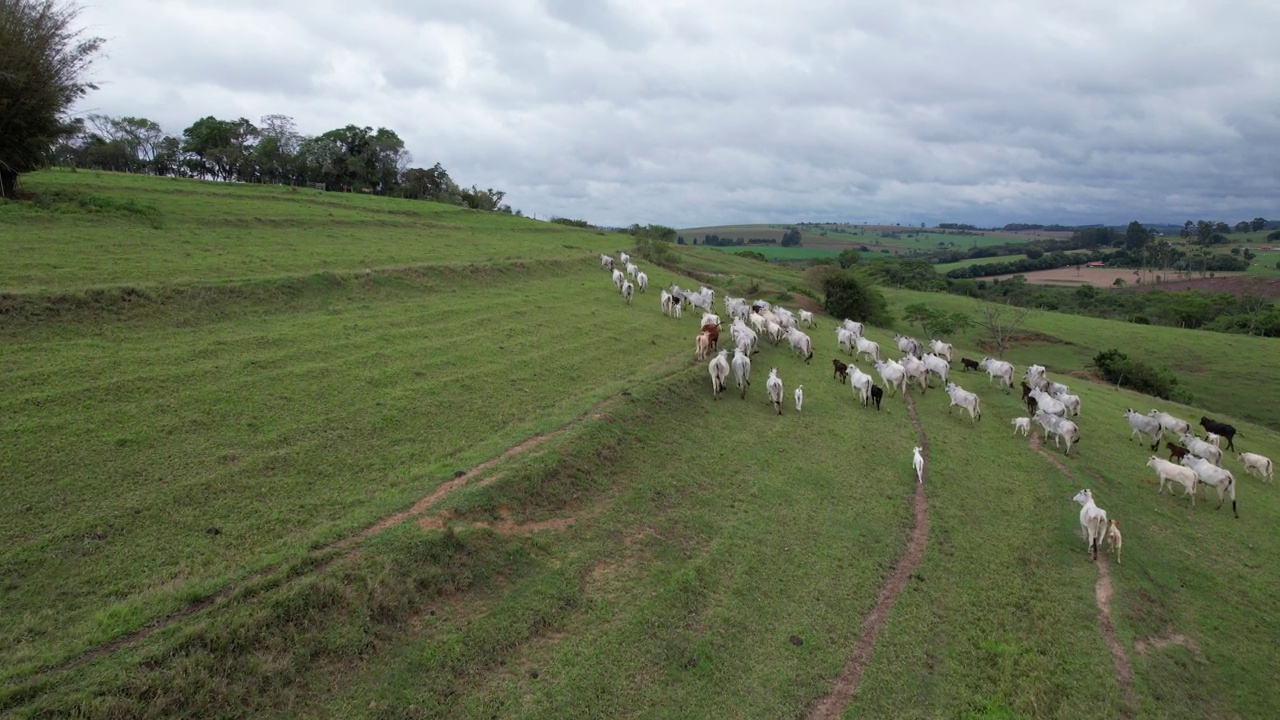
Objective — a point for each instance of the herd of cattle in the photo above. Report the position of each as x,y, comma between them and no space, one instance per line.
1049,404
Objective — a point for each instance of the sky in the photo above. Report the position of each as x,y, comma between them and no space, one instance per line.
714,112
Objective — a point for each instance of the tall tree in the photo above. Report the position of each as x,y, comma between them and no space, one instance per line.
276,153
1136,237
43,61
1257,224
1002,323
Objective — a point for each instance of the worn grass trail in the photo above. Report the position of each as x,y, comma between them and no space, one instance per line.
1103,592
688,599
846,686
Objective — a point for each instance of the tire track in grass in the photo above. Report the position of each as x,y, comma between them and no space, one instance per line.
1102,593
846,686
347,543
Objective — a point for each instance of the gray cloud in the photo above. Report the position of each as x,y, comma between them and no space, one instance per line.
690,114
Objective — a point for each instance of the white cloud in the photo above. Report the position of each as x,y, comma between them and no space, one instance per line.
693,113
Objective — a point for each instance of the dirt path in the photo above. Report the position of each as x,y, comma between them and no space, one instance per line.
350,542
846,686
1103,592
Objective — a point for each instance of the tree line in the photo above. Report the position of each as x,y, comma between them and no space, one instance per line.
271,151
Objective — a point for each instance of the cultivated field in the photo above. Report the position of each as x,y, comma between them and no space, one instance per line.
487,487
1105,277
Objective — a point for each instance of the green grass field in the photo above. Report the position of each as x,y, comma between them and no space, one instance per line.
840,237
181,468
105,229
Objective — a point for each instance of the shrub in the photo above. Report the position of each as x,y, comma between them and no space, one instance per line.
1120,369
848,296
753,255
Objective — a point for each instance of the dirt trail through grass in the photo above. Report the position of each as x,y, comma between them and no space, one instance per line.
846,686
419,508
1103,593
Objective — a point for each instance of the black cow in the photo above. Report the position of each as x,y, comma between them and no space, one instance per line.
876,395
969,364
1222,429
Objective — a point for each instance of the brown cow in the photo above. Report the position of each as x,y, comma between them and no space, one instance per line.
840,370
713,334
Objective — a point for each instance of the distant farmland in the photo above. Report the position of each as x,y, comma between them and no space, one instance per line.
875,238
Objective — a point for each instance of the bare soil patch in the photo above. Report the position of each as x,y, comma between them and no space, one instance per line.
1145,645
1106,278
846,686
1238,285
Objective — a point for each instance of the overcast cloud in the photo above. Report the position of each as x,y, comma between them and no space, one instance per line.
712,112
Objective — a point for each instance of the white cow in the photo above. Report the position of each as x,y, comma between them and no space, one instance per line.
741,371
1093,520
908,345
917,461
938,366
628,290
966,400
893,375
625,258
845,339
853,327
773,387
1022,424
1218,478
1140,424
1171,473
998,369
606,262
1071,402
1177,426
916,370
632,269
1198,447
719,370
1048,404
642,281
800,343
867,347
799,394
860,382
1261,463
942,349
1059,428
806,319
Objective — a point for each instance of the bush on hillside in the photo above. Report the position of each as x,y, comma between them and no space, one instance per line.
1120,369
752,254
848,296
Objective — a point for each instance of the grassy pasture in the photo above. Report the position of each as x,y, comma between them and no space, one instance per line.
121,445
656,559
149,231
841,237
